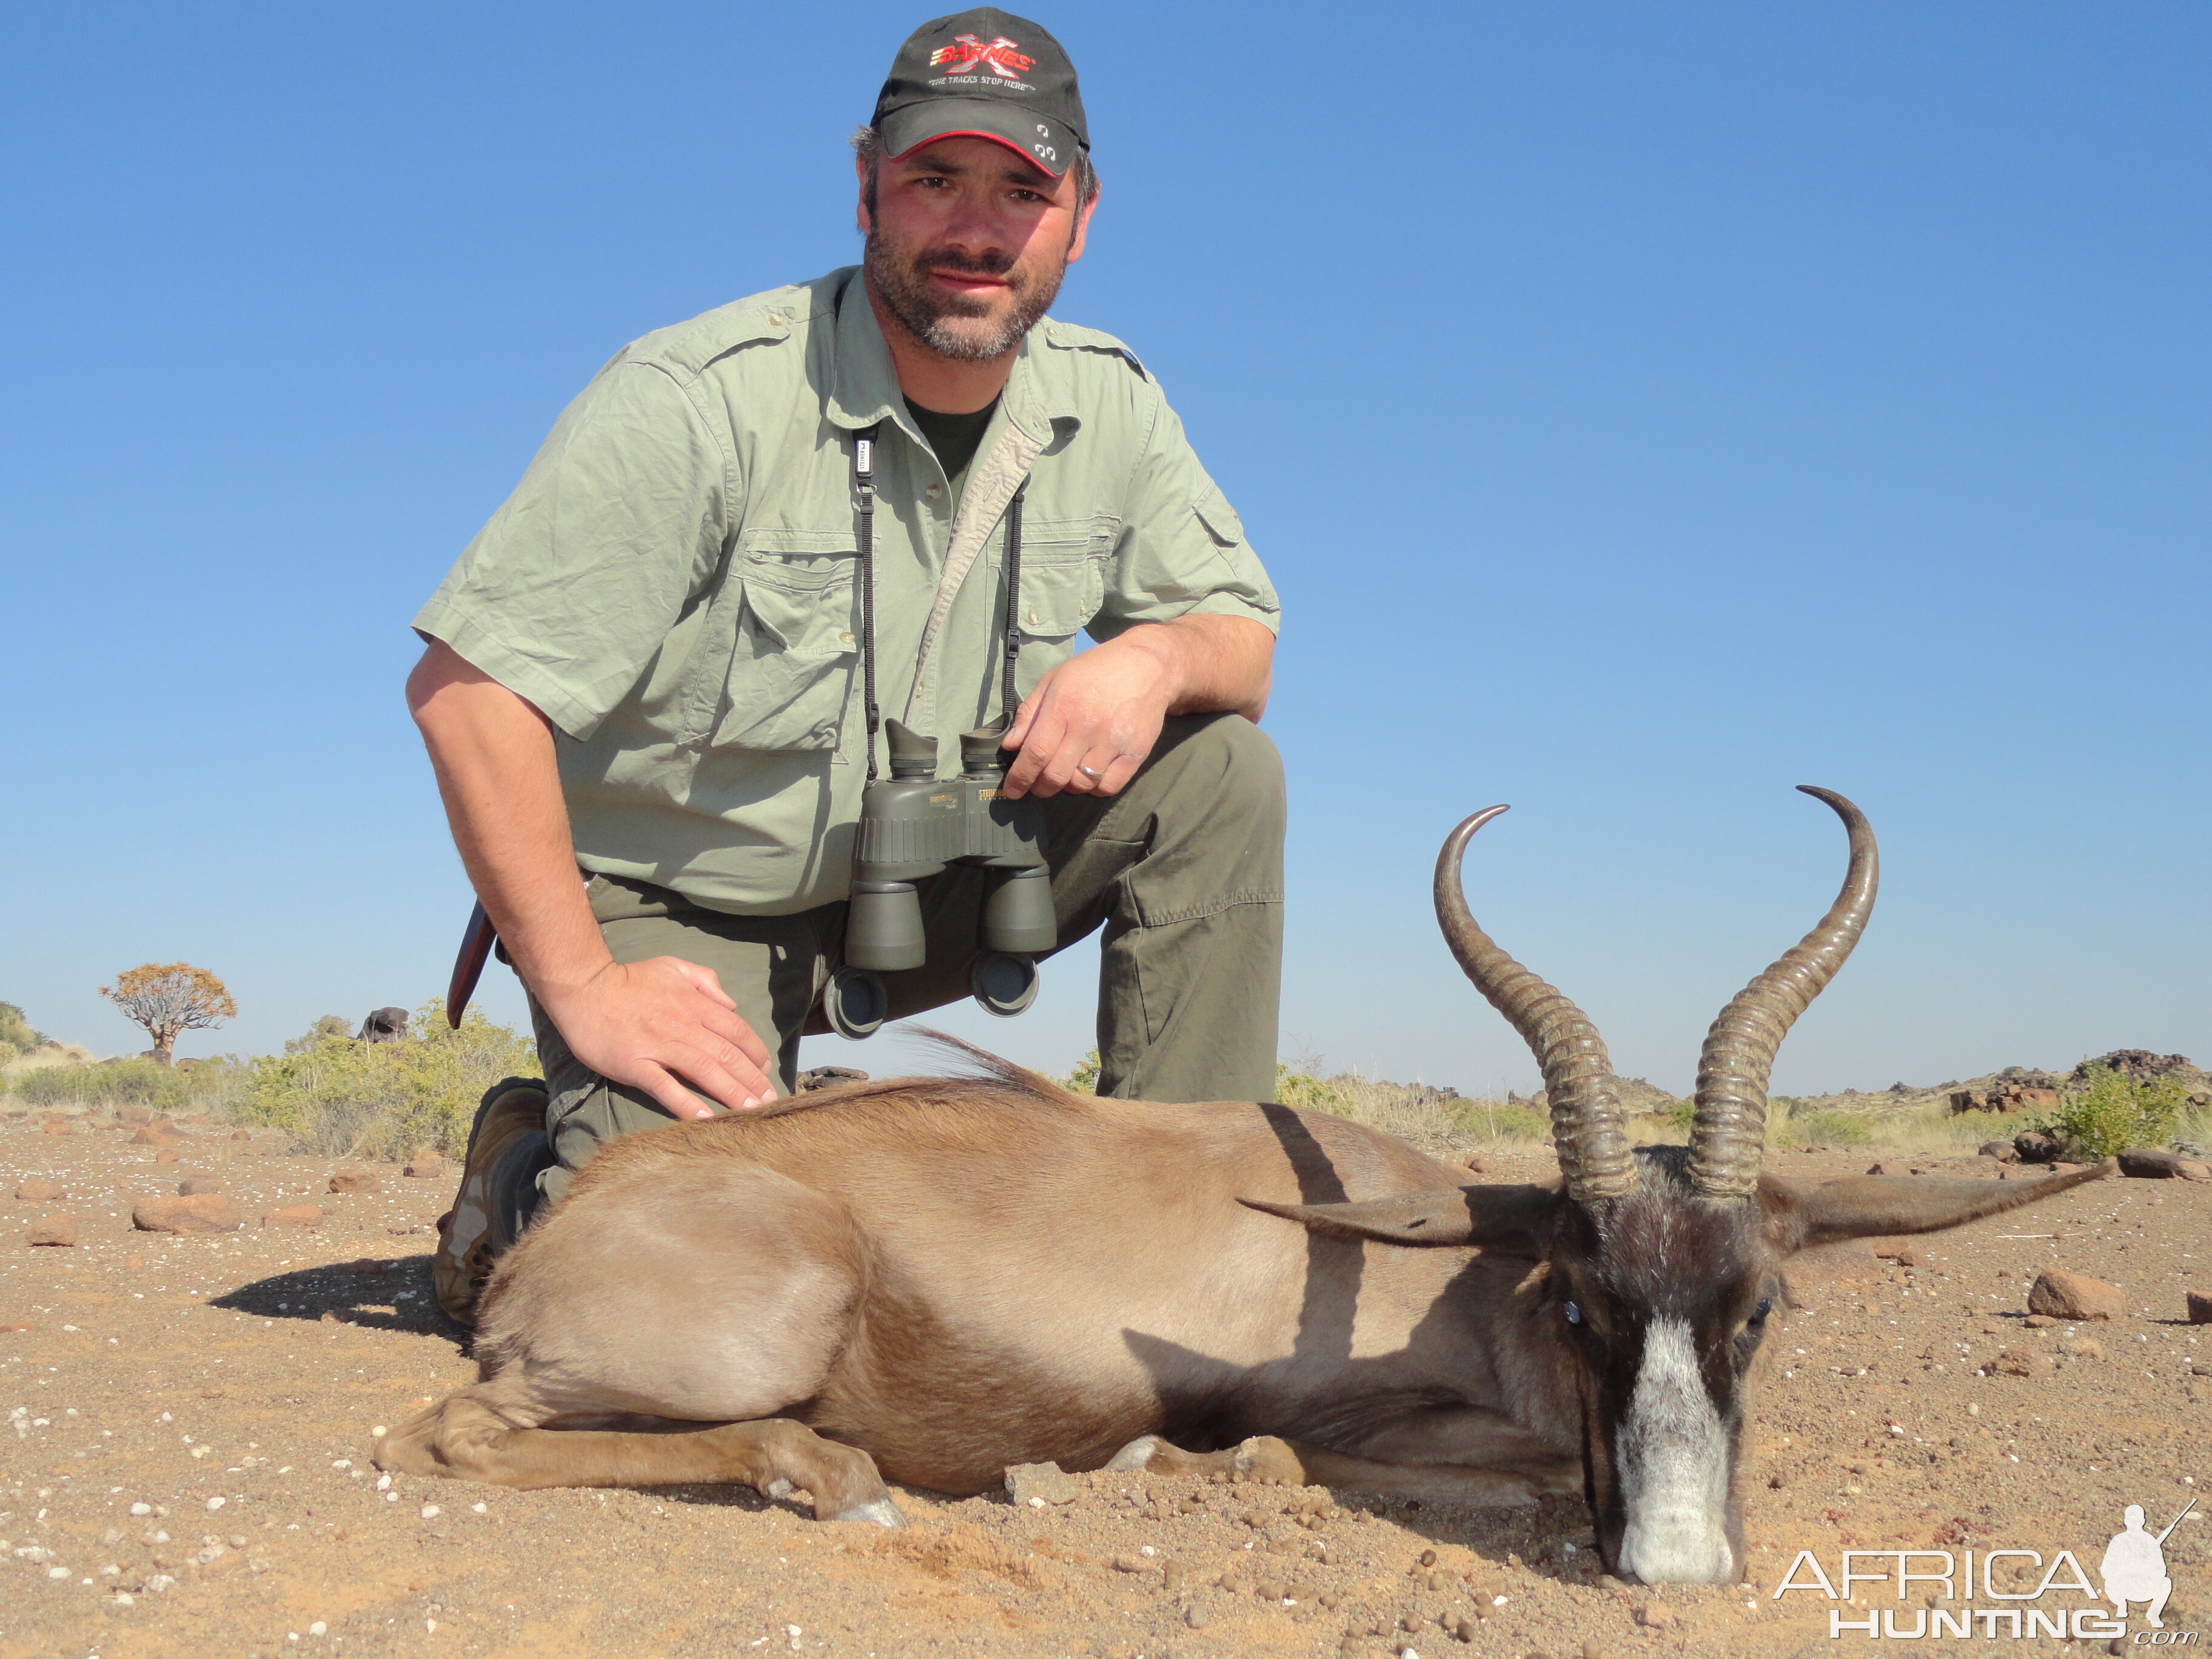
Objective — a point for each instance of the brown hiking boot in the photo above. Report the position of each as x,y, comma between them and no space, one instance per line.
472,1234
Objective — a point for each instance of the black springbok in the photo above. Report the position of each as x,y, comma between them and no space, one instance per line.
930,1278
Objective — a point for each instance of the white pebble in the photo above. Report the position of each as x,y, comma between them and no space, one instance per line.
56,1572
124,1599
430,1626
343,1463
377,1433
1036,1503
142,1509
430,1512
217,1503
477,1507
317,1628
384,1483
392,1498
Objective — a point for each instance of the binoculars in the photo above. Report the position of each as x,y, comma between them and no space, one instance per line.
912,825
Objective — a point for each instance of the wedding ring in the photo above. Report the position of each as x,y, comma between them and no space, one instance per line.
1091,772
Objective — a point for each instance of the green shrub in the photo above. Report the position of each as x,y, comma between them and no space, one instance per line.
1495,1119
15,1030
1084,1079
1298,1088
137,1081
2112,1110
1829,1129
344,1098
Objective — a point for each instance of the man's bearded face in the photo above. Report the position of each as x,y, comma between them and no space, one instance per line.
1014,264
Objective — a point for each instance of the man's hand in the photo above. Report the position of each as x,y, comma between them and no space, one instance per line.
1092,721
661,1024
653,1025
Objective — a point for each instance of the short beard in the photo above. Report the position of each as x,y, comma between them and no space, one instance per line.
954,325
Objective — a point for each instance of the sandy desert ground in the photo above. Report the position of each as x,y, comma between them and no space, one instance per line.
184,1466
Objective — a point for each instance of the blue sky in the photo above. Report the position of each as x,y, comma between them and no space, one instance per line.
1642,407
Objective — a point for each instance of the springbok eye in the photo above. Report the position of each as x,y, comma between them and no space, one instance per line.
1760,1313
1574,1314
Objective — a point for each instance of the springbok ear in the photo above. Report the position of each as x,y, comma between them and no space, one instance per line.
1457,1215
1866,1206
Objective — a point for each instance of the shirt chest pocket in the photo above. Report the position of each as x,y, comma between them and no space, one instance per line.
792,662
1063,575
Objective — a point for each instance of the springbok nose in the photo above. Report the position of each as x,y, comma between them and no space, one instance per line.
1679,1548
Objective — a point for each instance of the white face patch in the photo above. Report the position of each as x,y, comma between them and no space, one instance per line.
1673,1458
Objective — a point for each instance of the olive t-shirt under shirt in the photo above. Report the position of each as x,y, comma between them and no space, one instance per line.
954,437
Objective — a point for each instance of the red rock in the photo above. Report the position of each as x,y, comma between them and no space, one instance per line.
424,1165
193,1186
59,1129
55,1230
20,1325
2064,1295
299,1215
36,1191
241,1134
355,1181
2200,1308
168,1157
158,1134
133,1114
2023,1361
208,1212
1657,1615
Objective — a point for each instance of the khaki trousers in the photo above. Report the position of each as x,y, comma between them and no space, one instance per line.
1183,869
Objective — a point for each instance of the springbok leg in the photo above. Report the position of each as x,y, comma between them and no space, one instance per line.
466,1438
1270,1460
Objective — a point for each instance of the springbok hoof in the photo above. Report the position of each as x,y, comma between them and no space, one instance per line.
1137,1455
1269,1461
883,1512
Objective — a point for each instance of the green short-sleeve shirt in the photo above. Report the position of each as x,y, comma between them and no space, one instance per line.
673,581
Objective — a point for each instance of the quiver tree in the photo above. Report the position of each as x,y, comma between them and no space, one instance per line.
169,999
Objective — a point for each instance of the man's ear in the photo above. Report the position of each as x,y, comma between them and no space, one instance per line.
1082,228
1869,1206
1516,1217
861,215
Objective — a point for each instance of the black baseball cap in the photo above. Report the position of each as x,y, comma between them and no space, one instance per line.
984,74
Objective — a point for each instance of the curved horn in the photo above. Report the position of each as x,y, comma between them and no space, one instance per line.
1586,1124
1728,1125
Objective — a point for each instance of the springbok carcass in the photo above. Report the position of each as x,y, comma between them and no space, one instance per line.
930,1278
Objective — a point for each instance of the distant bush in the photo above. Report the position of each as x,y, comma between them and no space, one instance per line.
15,1030
344,1098
2111,1110
1298,1089
208,1086
1827,1129
1084,1079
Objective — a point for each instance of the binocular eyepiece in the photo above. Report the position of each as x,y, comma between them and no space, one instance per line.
912,825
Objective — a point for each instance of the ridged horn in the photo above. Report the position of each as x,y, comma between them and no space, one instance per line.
1586,1120
1728,1124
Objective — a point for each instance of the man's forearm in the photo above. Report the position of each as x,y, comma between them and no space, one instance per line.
1214,664
493,753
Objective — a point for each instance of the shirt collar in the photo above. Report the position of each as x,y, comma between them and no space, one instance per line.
865,389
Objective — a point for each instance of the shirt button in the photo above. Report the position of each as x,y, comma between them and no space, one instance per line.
934,491
1032,619
776,318
844,638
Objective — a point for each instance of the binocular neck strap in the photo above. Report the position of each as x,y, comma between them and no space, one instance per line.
864,505
1013,644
